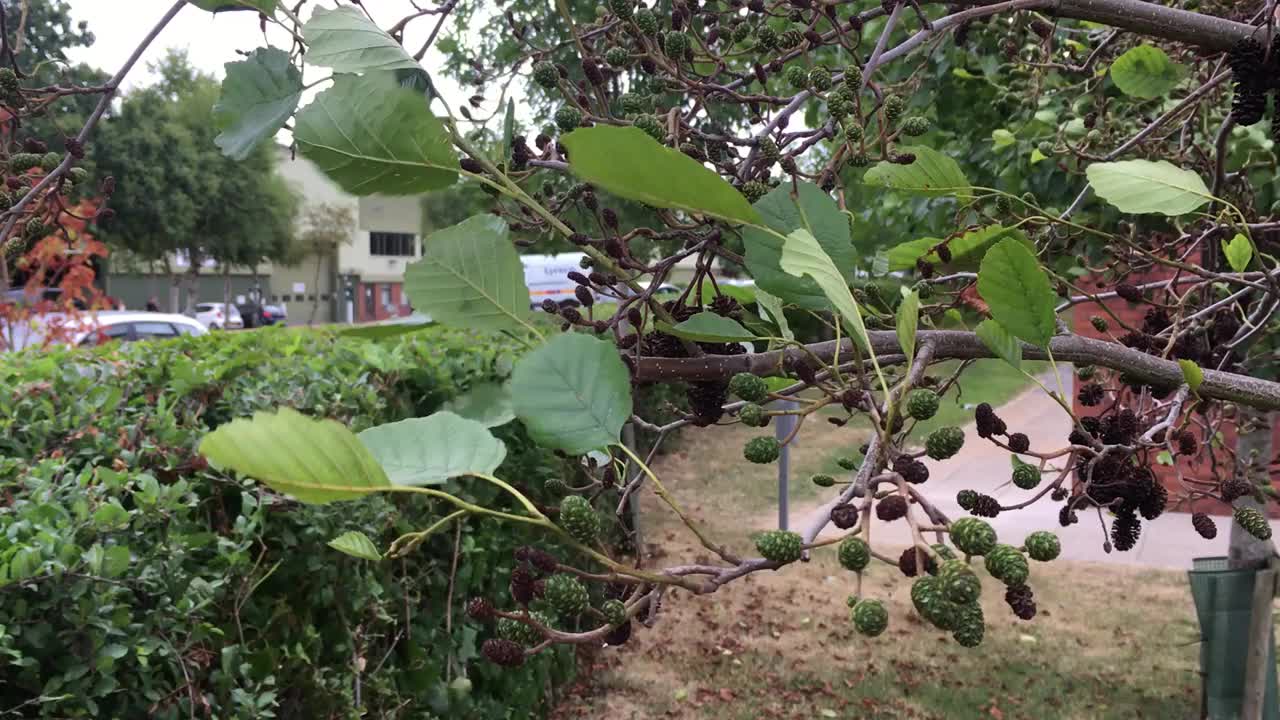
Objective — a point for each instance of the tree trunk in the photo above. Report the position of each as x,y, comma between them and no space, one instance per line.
193,287
175,285
1253,448
315,287
226,289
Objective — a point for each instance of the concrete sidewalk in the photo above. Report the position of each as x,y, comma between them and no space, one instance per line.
1167,542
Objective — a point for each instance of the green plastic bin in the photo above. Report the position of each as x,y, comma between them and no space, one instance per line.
1223,597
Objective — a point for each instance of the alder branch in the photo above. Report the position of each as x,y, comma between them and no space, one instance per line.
962,345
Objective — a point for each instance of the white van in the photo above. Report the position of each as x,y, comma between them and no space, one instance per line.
548,276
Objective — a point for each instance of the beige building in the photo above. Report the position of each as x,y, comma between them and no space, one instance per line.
386,237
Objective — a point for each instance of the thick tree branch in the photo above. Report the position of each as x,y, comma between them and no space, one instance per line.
956,344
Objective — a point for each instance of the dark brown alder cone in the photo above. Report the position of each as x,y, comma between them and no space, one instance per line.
537,557
1204,525
1021,600
891,508
985,506
502,652
907,563
844,516
480,609
522,585
1125,530
1235,487
1019,443
619,635
1129,293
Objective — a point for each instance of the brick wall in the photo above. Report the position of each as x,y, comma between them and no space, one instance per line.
1205,468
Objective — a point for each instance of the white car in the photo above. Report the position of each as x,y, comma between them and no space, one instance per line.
218,316
126,326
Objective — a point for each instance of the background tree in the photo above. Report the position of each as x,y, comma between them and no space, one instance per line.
177,194
322,230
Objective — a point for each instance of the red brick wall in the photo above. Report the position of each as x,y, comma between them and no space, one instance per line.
371,308
1202,469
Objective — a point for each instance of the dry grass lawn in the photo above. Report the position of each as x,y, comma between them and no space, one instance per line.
1108,642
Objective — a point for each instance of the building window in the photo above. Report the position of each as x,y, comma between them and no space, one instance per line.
386,296
392,244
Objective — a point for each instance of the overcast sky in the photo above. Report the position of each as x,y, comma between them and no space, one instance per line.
210,39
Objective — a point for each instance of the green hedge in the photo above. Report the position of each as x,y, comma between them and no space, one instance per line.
136,582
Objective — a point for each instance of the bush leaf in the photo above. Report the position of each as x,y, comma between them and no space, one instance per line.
908,323
932,173
316,461
1143,186
709,327
1018,292
347,41
1146,72
1000,342
1239,251
357,545
1192,374
487,403
370,135
572,394
630,164
258,96
430,450
470,275
803,255
813,210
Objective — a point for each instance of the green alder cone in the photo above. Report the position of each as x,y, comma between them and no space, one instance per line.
752,415
646,21
762,450
1026,476
652,127
922,404
675,44
579,519
1043,546
617,57
1254,522
944,443
959,583
943,551
623,9
820,79
753,190
1008,565
526,635
546,75
930,601
796,77
751,388
854,554
870,617
822,480
568,118
614,611
780,546
973,536
633,104
970,626
566,595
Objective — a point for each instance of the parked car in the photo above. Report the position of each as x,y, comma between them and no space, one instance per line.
272,314
127,326
218,316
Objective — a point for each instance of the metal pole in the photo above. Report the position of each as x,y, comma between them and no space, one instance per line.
781,429
633,502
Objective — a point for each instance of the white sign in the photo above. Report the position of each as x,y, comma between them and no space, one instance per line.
299,288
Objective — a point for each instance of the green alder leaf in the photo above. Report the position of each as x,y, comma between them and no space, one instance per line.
1018,292
932,173
1238,251
508,130
258,96
1001,137
1143,186
369,135
814,211
357,545
349,42
432,449
803,255
266,7
487,403
708,327
1146,72
1000,342
1037,156
909,323
115,561
773,305
967,250
572,394
630,164
316,461
1192,374
470,276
